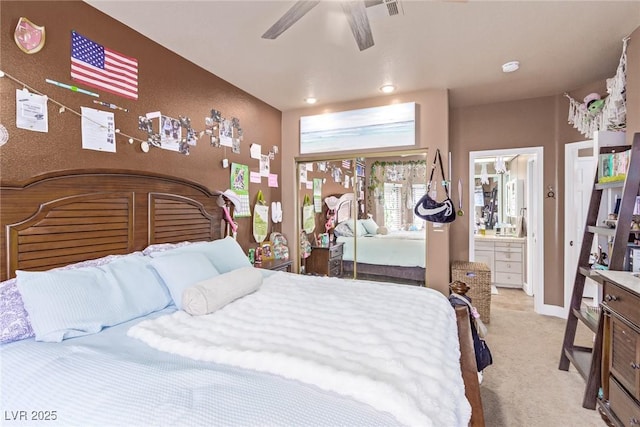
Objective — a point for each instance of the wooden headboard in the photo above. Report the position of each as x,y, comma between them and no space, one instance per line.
59,219
344,210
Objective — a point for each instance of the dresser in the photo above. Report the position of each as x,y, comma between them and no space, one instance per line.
505,258
325,260
620,399
276,265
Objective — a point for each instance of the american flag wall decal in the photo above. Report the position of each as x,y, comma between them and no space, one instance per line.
100,67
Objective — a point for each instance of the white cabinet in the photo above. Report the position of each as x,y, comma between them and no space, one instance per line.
505,258
484,252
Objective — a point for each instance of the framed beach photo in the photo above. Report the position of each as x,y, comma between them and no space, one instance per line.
377,127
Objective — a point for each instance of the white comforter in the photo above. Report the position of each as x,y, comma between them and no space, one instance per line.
393,347
399,248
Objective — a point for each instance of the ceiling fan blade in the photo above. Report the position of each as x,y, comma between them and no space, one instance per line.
359,22
297,11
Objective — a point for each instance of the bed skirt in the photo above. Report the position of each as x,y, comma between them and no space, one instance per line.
386,273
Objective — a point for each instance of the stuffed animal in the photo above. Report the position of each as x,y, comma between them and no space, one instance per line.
593,103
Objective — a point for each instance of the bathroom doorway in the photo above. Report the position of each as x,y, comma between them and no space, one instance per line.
513,199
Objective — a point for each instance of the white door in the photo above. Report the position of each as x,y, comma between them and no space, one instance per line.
532,188
579,177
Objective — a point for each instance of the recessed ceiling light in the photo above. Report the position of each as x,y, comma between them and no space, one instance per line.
510,67
310,100
388,88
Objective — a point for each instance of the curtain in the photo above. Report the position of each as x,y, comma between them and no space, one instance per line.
394,189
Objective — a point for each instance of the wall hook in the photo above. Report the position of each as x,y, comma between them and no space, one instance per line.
550,193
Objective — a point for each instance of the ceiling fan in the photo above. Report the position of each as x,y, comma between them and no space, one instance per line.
355,11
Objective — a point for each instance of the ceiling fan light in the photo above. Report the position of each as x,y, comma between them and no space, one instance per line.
387,89
311,100
510,67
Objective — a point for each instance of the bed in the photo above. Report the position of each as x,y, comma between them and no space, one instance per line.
271,356
396,256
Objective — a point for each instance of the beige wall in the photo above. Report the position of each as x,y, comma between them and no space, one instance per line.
433,132
528,123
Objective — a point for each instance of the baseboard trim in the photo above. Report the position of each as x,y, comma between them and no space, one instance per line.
552,310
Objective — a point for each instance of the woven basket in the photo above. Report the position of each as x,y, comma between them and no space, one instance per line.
477,276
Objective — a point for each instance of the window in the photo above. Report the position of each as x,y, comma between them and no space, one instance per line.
417,191
392,206
397,213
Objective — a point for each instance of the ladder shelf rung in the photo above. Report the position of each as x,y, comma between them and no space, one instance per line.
605,231
591,273
580,358
587,318
608,185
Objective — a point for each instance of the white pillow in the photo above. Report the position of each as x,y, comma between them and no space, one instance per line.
359,230
181,270
225,254
69,303
212,294
343,230
369,225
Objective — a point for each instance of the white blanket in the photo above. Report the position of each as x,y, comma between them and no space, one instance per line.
404,249
393,347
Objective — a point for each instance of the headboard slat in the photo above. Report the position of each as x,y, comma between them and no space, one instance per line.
174,217
74,243
59,239
70,216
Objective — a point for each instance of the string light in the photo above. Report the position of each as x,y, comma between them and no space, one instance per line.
63,108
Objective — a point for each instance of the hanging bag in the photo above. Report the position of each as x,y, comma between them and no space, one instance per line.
429,209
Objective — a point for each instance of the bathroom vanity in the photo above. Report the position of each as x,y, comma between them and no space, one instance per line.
505,256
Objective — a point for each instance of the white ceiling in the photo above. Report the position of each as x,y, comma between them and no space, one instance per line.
459,45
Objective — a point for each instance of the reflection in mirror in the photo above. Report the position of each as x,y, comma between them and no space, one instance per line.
382,239
361,211
498,194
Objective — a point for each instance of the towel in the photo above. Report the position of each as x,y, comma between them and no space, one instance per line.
521,229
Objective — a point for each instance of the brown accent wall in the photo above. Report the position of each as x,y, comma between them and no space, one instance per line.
433,132
167,83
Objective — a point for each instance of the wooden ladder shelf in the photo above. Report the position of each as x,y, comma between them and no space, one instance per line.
587,361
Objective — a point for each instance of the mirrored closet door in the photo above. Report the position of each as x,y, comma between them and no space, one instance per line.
357,215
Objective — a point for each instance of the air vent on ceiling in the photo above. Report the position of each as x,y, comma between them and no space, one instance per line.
392,7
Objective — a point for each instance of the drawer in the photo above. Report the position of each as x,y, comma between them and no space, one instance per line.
624,407
483,246
508,278
508,246
623,356
335,272
509,267
335,263
508,256
335,251
622,302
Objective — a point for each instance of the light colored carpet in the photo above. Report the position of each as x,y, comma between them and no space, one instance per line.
524,386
